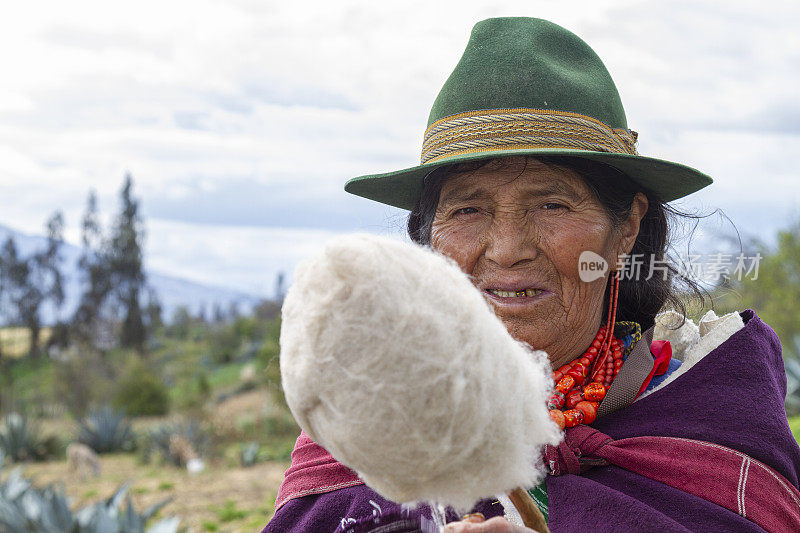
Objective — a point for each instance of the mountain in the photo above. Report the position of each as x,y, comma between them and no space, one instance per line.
172,291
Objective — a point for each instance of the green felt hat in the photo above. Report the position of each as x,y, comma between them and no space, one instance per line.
526,86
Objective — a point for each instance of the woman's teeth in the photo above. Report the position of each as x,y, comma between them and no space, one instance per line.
515,294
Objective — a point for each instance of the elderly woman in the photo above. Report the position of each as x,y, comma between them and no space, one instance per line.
529,175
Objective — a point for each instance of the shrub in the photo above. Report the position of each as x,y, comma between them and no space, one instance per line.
105,430
203,386
244,327
225,343
192,393
268,358
141,392
82,381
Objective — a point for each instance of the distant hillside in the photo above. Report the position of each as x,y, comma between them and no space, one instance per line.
173,292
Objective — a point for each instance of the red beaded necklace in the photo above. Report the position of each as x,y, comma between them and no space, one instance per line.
582,383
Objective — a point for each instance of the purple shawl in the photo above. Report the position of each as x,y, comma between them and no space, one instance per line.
733,397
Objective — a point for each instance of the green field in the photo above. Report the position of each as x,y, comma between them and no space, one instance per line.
201,367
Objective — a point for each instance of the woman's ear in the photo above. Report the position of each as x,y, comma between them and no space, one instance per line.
629,228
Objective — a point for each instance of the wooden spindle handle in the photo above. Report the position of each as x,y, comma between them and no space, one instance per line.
532,517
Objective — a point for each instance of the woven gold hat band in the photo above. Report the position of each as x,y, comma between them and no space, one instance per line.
521,129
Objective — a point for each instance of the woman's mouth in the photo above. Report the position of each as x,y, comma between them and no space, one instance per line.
516,299
515,294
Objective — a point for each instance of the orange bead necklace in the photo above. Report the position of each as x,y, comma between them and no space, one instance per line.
582,384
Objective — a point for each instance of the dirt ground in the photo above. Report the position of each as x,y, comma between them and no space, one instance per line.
220,498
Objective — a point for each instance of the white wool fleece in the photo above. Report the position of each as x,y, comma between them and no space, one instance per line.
394,362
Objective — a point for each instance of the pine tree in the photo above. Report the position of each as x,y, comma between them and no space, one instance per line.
30,282
181,322
13,275
202,316
8,260
125,262
153,311
233,311
280,287
217,314
95,275
5,310
22,297
50,260
45,281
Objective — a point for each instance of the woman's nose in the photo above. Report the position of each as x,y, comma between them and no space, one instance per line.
510,240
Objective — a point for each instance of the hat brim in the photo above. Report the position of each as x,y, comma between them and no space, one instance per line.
402,188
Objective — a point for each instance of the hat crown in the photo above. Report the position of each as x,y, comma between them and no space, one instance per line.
528,87
520,62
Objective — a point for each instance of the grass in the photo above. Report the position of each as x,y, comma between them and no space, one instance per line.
794,425
229,512
225,376
31,384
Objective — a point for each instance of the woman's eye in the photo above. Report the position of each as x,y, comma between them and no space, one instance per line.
466,211
553,205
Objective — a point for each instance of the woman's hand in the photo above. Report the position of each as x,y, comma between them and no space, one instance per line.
475,523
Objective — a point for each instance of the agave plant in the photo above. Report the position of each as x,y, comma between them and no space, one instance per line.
20,439
249,453
25,509
105,430
163,438
118,512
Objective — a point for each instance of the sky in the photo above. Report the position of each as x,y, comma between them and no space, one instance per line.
240,120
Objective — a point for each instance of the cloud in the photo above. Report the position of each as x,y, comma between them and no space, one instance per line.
251,115
246,202
105,39
753,184
278,92
696,65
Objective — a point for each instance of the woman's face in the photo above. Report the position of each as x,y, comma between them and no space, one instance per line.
515,226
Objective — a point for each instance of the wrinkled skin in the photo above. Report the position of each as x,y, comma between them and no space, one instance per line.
523,224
